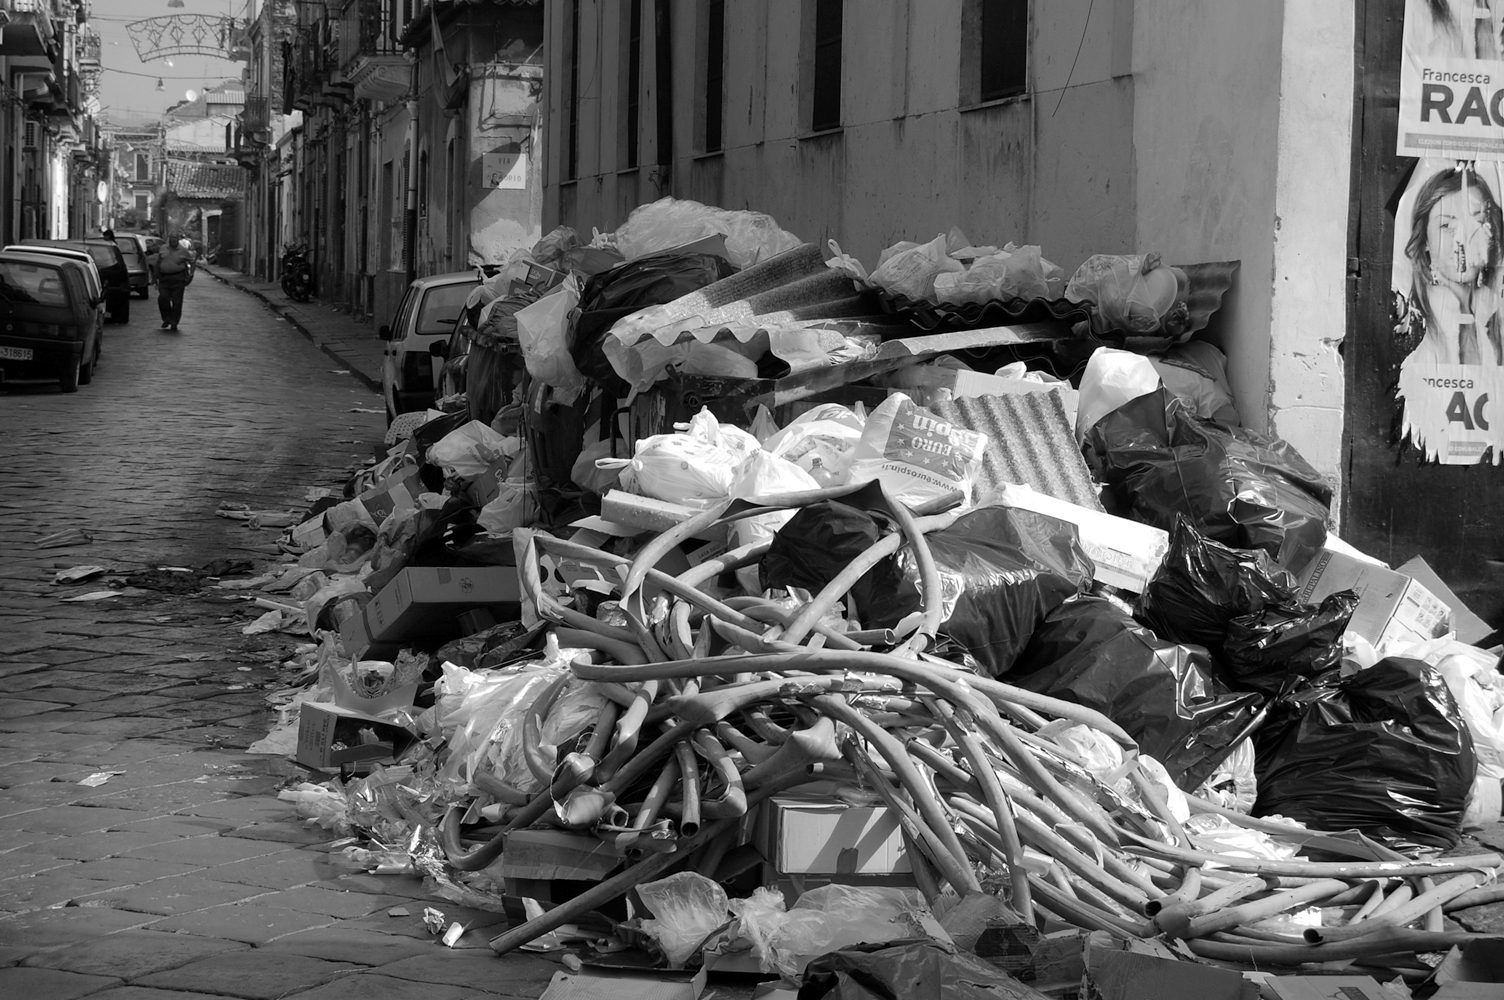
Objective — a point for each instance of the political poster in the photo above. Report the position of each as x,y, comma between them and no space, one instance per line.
1452,80
1448,287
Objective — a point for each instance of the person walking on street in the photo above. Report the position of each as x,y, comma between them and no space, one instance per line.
174,273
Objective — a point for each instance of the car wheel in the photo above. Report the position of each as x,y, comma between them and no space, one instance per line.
72,376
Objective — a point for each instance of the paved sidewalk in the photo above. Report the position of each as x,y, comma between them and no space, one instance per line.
351,342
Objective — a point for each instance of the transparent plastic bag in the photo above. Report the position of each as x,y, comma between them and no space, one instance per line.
1133,293
911,271
576,708
764,475
543,333
1233,785
826,435
476,710
687,908
467,452
828,918
669,223
1018,273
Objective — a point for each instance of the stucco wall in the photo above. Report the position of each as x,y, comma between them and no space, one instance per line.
1309,291
909,161
1205,140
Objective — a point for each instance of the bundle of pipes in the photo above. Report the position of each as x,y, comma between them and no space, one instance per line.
769,699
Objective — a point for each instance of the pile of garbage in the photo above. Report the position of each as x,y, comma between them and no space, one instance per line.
916,651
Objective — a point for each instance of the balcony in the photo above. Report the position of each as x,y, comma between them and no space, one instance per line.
256,119
27,28
380,70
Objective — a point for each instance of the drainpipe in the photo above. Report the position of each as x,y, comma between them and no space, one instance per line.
663,48
410,205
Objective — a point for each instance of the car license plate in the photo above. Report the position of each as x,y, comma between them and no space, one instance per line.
15,353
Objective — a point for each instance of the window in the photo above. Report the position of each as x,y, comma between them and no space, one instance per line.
1004,39
143,167
143,202
715,71
631,154
441,308
572,104
826,82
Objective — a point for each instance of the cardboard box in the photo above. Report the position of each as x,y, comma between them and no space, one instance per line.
355,639
487,486
396,492
1323,988
425,601
330,737
1468,626
311,533
1394,610
651,514
1125,553
1126,975
557,854
595,983
819,837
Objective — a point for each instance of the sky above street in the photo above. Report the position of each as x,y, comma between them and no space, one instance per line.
128,90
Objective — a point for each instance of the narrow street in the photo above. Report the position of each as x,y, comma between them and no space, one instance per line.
168,879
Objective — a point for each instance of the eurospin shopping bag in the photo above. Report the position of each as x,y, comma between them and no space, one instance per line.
917,456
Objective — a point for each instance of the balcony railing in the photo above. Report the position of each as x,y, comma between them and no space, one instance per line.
376,37
256,117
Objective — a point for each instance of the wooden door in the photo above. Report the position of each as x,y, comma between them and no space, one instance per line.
1396,506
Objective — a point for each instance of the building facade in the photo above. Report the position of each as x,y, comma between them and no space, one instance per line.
53,160
406,122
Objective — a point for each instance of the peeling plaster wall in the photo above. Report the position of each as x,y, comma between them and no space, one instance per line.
1205,127
1309,294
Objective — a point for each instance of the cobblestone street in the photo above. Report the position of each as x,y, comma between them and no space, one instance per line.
168,879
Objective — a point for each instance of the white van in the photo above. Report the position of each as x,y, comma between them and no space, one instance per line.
427,315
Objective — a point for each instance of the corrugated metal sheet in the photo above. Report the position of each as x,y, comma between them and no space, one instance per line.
1029,441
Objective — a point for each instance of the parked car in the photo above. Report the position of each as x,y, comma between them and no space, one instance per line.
456,355
427,315
96,283
133,249
51,324
112,272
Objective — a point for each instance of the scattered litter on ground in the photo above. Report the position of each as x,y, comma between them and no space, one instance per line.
78,574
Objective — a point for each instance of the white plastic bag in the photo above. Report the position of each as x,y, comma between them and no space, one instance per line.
764,475
1112,378
842,261
1015,273
542,332
687,908
917,456
696,465
468,451
825,437
670,222
577,706
911,272
1233,785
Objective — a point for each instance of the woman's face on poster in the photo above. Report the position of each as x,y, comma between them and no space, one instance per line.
1459,235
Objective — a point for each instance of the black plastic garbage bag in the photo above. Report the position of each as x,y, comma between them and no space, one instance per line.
1385,751
1203,585
1002,570
1165,695
1239,487
816,544
909,970
626,288
1276,648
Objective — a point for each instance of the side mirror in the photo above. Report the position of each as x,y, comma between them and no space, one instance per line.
384,332
439,348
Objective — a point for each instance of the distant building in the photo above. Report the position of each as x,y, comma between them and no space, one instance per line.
51,158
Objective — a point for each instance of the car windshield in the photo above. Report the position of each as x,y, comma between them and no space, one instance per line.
128,251
22,281
441,308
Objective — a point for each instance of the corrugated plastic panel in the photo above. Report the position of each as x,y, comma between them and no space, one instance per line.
1029,441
